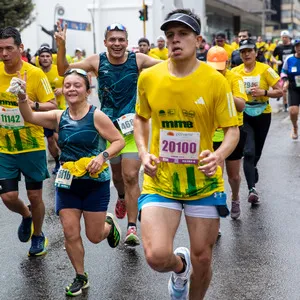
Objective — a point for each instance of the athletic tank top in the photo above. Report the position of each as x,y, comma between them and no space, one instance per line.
80,138
117,86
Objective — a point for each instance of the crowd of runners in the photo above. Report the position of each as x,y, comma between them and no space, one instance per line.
205,117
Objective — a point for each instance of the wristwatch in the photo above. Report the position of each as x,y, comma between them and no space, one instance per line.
36,106
105,155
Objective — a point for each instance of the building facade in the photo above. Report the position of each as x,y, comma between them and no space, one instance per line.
216,15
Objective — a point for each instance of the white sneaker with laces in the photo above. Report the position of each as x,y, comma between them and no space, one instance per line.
179,283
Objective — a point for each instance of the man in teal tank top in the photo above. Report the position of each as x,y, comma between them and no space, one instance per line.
117,72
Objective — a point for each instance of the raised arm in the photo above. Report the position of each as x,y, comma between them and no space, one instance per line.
47,119
90,64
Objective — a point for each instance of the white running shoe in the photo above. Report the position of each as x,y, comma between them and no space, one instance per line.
179,283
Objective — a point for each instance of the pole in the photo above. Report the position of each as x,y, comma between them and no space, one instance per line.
92,12
144,22
292,17
93,24
263,19
94,34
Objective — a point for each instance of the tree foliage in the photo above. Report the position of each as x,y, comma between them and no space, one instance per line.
16,13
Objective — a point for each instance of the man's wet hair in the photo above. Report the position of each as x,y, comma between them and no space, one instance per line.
144,40
11,32
184,11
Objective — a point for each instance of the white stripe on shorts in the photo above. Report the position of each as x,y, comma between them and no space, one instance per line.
196,211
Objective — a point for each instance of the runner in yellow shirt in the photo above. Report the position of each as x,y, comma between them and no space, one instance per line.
221,42
78,55
182,172
260,43
161,51
258,78
144,47
56,82
235,44
22,146
217,58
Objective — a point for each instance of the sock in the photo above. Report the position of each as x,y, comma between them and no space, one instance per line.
121,196
184,265
131,224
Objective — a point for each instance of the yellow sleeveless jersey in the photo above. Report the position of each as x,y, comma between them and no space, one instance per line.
185,113
16,135
262,76
56,81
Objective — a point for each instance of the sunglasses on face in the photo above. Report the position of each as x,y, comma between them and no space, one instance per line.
116,26
78,71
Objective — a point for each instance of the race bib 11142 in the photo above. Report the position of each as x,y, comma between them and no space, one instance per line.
11,118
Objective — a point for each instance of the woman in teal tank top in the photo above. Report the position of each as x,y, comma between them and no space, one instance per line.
83,181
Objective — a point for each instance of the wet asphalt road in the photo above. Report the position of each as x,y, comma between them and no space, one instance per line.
257,257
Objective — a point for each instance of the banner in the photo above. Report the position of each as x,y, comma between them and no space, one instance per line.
75,25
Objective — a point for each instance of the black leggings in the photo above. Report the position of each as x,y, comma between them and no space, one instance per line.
257,129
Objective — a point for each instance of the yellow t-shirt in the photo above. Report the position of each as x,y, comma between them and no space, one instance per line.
234,46
272,47
162,54
185,113
16,135
229,50
236,85
260,45
56,81
153,55
262,76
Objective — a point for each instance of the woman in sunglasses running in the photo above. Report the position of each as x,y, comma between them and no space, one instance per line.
83,181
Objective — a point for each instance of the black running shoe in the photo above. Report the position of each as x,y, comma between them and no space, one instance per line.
80,283
114,236
25,229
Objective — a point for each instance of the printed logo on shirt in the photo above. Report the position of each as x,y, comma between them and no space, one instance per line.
189,114
171,112
177,124
200,101
162,113
8,103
